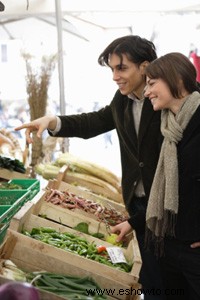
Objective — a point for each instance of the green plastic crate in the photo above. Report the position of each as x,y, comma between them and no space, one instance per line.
3,230
14,198
29,184
6,213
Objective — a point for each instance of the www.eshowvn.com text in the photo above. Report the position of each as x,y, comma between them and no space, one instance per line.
134,292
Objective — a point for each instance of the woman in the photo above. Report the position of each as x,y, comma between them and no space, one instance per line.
173,211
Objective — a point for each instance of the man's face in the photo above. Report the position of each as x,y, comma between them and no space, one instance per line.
128,76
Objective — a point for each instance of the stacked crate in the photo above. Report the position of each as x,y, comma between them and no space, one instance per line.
34,255
11,200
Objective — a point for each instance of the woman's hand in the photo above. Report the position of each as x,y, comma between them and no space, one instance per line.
122,230
195,245
39,125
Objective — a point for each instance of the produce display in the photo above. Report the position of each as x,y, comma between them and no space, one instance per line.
77,245
71,201
10,186
110,237
91,176
12,164
84,227
68,287
79,198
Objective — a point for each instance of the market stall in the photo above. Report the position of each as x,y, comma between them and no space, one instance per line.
38,218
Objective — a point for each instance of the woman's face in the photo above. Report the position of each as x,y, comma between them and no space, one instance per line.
159,94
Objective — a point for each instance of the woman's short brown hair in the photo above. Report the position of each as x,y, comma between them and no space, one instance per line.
172,68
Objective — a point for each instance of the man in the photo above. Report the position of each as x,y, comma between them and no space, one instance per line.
138,129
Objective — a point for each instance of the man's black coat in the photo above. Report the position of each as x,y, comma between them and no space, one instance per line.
139,155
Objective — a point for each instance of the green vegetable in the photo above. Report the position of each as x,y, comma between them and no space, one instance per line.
69,287
76,244
82,227
99,235
9,186
12,164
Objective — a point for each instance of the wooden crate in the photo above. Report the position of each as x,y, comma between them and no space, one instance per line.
64,216
44,256
62,186
80,214
32,255
7,174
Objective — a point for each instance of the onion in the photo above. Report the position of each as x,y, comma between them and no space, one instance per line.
18,291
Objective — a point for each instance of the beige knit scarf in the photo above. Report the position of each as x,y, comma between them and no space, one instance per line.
163,200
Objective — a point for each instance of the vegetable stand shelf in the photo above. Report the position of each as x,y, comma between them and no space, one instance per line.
10,202
48,257
8,174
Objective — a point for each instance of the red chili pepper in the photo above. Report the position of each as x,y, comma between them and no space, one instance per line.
101,249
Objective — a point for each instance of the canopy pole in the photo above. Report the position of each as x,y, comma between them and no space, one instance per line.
60,56
65,145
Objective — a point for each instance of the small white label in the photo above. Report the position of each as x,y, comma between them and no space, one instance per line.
116,255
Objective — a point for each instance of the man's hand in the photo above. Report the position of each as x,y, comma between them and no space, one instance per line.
122,230
195,245
39,125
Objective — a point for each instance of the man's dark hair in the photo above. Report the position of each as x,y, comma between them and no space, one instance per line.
136,48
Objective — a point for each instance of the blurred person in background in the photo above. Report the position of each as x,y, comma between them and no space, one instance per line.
5,141
138,129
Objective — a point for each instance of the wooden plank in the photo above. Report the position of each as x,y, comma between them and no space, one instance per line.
7,174
26,210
